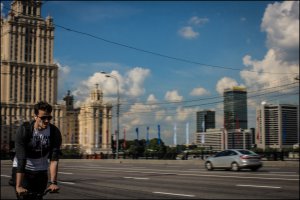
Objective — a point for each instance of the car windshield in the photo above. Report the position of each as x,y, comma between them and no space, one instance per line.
247,152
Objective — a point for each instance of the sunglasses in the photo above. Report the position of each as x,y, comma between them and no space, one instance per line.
43,118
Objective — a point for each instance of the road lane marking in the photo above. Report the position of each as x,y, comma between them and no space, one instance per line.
138,178
207,174
174,194
241,177
5,176
69,183
259,186
65,173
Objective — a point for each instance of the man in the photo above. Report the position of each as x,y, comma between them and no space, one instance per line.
36,144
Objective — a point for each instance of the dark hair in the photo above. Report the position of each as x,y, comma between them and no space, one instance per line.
42,105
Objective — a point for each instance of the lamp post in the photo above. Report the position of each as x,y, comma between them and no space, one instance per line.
118,111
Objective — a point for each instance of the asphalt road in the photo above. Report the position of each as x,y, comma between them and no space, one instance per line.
93,179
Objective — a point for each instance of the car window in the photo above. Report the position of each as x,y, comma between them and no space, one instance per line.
247,152
232,153
222,153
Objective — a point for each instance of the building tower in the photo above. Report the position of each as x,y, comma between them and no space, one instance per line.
28,73
70,134
95,124
205,119
235,108
277,126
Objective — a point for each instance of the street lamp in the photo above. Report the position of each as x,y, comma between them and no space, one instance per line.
118,110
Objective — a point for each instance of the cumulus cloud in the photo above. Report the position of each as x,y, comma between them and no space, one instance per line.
151,99
63,73
130,85
183,114
63,70
173,96
198,21
281,23
199,92
226,83
188,32
135,79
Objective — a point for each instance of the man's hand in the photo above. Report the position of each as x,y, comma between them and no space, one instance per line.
21,191
53,188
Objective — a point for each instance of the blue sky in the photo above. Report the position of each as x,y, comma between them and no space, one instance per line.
260,36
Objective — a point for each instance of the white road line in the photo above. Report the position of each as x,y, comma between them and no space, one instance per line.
70,183
259,186
65,173
138,178
184,195
5,176
240,177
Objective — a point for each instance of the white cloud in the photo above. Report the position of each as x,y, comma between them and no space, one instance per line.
183,114
173,96
281,23
130,85
151,99
226,83
135,79
63,70
188,32
199,92
198,21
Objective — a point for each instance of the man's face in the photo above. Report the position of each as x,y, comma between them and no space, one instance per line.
43,119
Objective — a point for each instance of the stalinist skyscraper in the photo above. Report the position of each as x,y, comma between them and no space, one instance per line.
29,75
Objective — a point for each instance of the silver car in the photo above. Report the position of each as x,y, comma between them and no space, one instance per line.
234,159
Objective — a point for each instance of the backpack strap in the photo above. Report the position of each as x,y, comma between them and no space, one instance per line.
28,130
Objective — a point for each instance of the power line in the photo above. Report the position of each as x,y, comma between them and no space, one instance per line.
202,104
155,53
220,97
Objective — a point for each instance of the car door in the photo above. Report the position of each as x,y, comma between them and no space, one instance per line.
230,157
220,159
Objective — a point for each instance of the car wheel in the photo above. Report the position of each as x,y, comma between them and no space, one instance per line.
209,166
235,167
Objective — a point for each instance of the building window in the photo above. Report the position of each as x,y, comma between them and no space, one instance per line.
24,9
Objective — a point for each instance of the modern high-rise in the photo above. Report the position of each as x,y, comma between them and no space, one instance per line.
277,126
235,108
29,75
205,120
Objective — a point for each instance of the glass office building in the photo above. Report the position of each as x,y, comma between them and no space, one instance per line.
208,118
235,108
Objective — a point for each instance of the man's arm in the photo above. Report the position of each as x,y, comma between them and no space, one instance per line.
54,160
21,158
53,171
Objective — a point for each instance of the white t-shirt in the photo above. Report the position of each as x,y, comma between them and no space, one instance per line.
40,142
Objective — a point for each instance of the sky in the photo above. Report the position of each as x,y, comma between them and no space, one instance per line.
174,58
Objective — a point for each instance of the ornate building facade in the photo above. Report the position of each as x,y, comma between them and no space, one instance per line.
29,75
